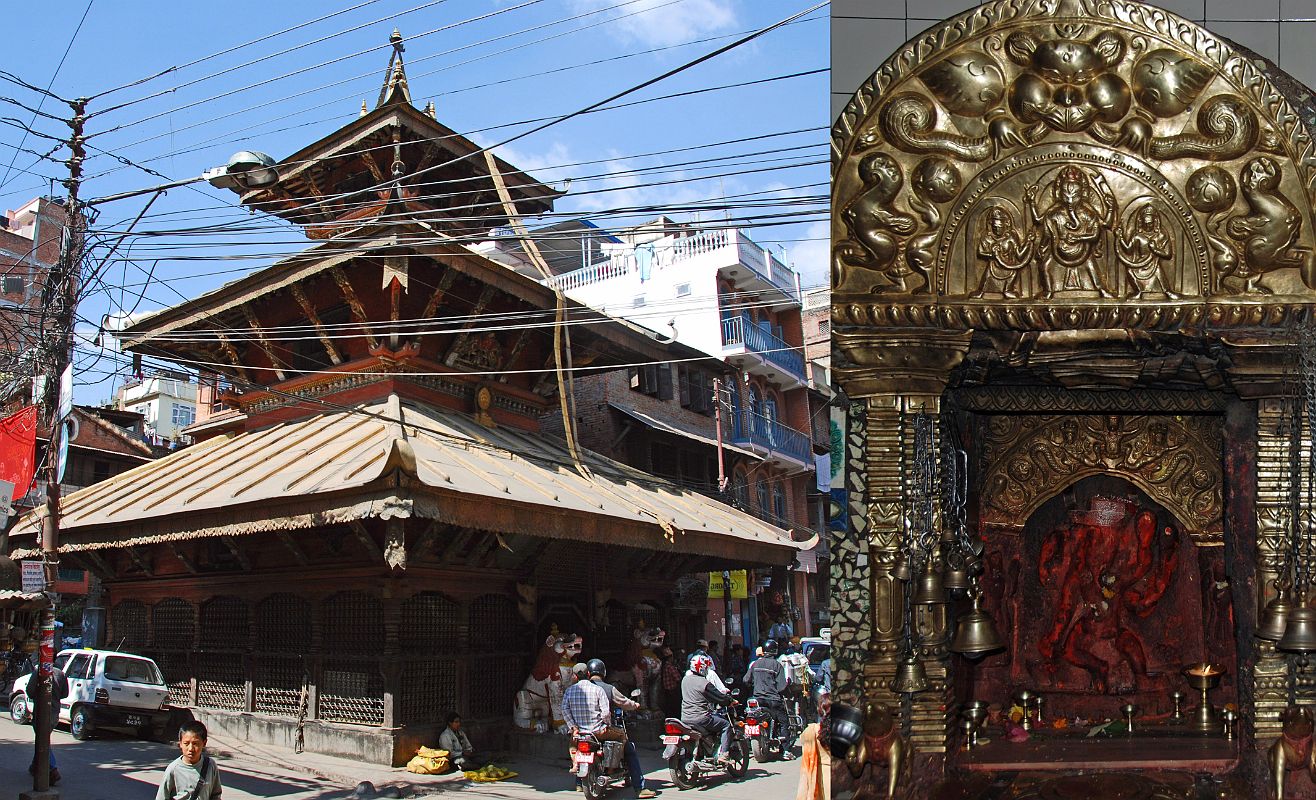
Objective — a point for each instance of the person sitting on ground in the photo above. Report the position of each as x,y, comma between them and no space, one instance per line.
193,775
460,752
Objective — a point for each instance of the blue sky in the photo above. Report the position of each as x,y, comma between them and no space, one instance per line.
526,59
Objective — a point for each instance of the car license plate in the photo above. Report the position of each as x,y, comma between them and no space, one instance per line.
583,758
134,722
751,730
671,739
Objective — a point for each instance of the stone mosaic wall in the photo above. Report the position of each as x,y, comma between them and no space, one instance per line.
851,621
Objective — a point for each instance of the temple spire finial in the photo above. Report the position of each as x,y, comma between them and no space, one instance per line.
364,110
395,88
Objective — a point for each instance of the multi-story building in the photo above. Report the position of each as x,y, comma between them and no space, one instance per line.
167,402
737,306
30,240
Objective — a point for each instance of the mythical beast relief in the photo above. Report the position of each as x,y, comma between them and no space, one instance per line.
1035,151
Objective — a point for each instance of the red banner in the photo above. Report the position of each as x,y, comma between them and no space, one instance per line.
18,440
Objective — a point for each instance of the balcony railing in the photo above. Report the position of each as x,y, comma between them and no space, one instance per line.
756,430
675,249
742,331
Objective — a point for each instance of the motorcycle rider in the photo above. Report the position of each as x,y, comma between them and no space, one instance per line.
766,678
587,708
698,697
796,665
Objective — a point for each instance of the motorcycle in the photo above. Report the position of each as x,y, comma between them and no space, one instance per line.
691,754
600,765
766,740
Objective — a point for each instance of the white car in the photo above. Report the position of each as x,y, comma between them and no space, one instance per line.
107,689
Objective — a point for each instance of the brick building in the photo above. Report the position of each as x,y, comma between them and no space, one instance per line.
736,308
30,240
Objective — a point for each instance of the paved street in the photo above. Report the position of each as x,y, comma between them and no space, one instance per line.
115,768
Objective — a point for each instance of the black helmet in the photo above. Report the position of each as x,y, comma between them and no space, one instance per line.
595,666
770,648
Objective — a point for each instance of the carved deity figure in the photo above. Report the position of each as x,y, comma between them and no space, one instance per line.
641,665
1107,568
1082,208
1143,246
1006,254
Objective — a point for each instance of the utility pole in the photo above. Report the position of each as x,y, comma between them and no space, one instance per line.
722,488
60,297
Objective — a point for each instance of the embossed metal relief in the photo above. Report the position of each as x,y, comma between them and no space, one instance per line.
1030,153
1174,459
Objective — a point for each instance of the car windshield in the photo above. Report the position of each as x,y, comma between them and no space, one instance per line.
818,653
133,670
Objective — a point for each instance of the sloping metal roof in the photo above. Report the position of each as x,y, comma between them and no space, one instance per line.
678,430
396,459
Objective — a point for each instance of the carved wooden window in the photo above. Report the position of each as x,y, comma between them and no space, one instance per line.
221,681
225,624
177,671
278,684
495,626
173,624
429,690
353,623
352,691
128,628
493,682
283,624
431,624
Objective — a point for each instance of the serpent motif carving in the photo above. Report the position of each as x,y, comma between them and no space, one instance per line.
875,223
909,122
1227,129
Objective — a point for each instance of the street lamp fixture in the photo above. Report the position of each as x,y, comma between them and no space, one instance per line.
248,169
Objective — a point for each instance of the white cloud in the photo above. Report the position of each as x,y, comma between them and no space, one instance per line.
810,258
659,23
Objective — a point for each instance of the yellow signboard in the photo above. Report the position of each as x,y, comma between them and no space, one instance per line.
739,585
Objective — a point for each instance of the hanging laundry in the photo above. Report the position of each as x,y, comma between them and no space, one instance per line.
644,257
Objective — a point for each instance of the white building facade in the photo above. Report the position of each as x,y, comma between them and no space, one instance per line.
167,402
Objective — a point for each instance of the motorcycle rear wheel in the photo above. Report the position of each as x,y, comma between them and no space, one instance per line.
678,767
761,753
593,791
739,760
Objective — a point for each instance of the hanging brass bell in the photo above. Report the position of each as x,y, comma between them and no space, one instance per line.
900,569
910,676
930,589
976,632
1300,630
957,577
1275,617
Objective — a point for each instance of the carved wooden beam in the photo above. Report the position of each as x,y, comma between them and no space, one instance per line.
231,353
98,565
486,547
264,343
188,564
309,311
233,548
514,354
440,291
455,545
354,303
291,544
313,183
143,564
486,296
367,541
426,538
529,552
